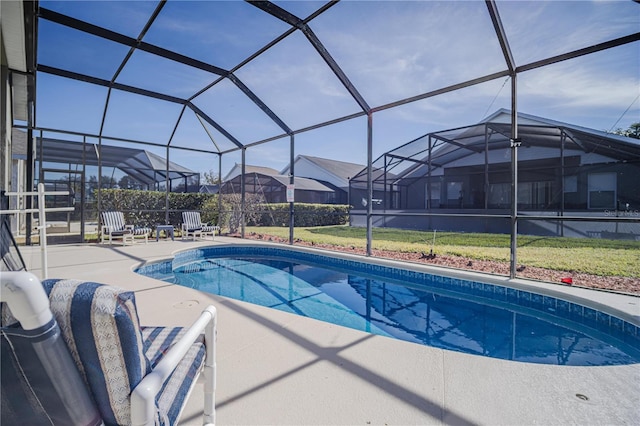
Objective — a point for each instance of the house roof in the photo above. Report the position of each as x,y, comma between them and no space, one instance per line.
341,169
494,133
237,169
265,180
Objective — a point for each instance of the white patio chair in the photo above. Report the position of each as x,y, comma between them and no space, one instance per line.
114,226
136,375
192,225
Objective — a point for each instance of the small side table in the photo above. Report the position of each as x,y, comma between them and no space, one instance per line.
168,231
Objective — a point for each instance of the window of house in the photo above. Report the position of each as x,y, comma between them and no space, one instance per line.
602,190
570,184
455,194
454,190
499,195
434,188
535,195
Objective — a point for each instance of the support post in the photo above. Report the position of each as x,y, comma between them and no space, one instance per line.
42,226
292,182
30,173
242,191
219,191
82,188
515,143
369,180
563,137
166,191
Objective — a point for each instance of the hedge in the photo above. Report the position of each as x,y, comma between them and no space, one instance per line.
146,208
277,214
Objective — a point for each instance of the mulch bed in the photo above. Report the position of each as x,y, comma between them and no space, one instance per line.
610,283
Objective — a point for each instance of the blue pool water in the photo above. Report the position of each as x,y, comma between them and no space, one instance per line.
449,313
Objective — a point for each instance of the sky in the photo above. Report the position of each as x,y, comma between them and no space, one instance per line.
389,51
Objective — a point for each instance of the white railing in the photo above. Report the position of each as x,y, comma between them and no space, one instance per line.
42,218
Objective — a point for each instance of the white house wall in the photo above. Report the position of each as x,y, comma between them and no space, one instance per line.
524,154
308,169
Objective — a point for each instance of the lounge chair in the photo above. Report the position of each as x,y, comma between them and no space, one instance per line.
106,368
192,225
114,226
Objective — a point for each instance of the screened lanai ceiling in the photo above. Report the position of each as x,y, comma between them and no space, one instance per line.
218,76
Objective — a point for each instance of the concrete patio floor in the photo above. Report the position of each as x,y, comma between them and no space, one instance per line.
277,368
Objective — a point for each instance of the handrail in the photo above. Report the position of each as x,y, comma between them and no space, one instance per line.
41,210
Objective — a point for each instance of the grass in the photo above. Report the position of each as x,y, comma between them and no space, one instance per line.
587,255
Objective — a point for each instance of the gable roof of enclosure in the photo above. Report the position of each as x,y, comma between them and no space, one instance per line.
262,183
411,160
143,166
75,43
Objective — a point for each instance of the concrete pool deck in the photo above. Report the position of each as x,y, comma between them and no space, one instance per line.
278,368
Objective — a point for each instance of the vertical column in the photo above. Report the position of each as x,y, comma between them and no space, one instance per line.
242,190
515,143
563,137
30,166
220,191
292,182
82,187
486,167
369,180
166,191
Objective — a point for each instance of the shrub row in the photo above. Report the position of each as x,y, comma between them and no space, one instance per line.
147,208
277,214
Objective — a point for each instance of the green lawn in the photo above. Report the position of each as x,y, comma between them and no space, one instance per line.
592,256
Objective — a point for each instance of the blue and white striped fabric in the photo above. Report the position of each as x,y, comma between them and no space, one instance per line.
158,340
100,326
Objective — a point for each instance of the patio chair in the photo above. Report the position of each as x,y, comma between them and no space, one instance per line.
192,225
105,367
113,225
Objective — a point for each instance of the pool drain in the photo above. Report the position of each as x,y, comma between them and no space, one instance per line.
582,397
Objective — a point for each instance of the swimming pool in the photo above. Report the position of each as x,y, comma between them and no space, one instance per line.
445,312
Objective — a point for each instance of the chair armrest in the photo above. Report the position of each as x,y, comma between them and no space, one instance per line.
183,227
129,227
144,395
105,229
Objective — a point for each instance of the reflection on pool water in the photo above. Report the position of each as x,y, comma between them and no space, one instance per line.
448,313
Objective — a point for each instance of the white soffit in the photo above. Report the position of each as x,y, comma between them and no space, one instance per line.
13,37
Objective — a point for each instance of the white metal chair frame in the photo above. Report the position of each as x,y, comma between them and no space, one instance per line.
192,225
112,225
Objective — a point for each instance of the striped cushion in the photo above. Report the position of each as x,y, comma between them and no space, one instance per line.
100,325
169,402
141,231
